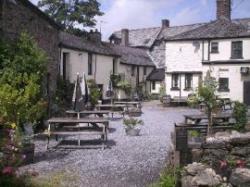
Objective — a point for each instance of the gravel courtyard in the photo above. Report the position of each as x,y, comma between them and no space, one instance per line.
129,162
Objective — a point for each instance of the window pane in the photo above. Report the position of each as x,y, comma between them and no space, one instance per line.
145,70
188,81
237,49
132,70
214,47
223,84
153,85
175,81
90,59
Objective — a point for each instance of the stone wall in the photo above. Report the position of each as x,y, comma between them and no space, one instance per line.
21,16
225,161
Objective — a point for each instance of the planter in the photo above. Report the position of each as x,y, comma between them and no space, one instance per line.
29,151
132,131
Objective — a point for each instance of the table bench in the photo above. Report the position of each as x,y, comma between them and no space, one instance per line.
71,126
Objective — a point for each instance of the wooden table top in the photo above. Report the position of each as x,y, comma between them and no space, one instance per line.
77,120
88,112
111,105
127,102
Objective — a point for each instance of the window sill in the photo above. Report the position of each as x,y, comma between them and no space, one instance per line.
223,90
235,58
188,89
175,89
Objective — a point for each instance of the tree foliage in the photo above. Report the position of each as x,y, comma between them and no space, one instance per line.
206,94
70,13
22,68
240,115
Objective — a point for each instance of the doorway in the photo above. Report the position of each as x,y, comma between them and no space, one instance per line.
246,92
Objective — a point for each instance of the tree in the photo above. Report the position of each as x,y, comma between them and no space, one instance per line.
206,94
72,13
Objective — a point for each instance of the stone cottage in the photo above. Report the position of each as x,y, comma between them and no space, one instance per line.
100,59
152,41
187,52
17,16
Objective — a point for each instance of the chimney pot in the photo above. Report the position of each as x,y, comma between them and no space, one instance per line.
165,23
95,36
223,9
125,37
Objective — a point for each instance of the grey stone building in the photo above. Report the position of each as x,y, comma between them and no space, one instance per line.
17,16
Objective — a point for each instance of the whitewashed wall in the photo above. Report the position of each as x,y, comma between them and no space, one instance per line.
225,49
187,56
127,70
182,92
157,87
78,62
236,80
183,56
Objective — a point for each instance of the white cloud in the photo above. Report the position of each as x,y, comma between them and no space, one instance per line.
133,14
186,15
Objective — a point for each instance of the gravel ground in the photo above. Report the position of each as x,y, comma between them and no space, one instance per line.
129,162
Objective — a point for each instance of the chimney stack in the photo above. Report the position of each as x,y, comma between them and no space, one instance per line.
125,37
95,36
165,23
223,9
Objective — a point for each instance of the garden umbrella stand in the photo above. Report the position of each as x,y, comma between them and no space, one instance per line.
110,91
80,95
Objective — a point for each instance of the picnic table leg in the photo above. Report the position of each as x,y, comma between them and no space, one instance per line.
48,137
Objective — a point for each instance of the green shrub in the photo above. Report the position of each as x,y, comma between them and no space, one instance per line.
125,86
132,122
169,177
22,69
63,96
21,75
240,115
95,93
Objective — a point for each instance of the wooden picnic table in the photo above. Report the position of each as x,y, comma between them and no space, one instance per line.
128,103
98,113
72,126
196,119
113,108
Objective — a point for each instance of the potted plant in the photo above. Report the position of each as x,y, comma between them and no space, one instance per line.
194,136
132,126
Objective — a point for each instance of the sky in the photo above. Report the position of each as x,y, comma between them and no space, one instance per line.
134,14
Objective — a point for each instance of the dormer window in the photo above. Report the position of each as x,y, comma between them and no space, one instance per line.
236,50
214,47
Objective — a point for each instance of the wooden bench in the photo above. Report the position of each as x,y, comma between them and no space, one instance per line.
72,127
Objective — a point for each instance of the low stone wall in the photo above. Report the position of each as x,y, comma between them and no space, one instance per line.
225,161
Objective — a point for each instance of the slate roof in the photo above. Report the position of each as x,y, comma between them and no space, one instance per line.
157,75
132,56
140,37
169,32
222,28
74,42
